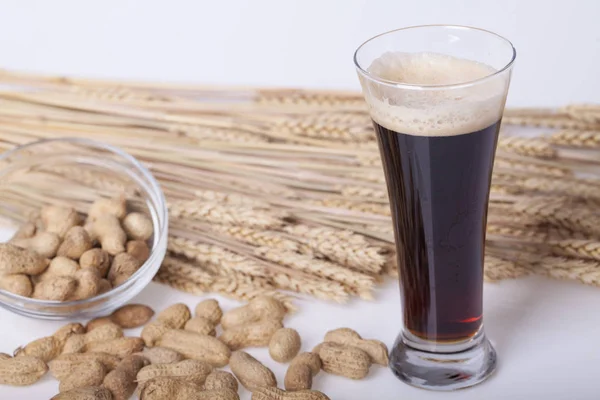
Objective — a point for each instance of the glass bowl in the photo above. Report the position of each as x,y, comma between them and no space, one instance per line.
76,172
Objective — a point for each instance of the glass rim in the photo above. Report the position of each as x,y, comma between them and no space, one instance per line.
400,85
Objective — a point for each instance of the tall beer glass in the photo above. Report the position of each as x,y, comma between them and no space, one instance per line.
436,95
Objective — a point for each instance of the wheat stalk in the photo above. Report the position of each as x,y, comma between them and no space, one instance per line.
556,122
388,228
532,235
224,262
529,112
531,168
337,127
244,168
201,133
344,247
217,213
369,160
561,213
589,113
503,188
239,287
588,249
581,188
367,176
560,233
508,217
117,93
365,207
496,269
587,272
215,258
576,138
357,283
298,268
531,147
233,199
312,100
362,192
318,288
97,179
180,283
174,266
257,237
242,287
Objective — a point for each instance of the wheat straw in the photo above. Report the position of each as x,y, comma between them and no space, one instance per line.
588,249
242,287
238,287
233,199
531,168
328,126
585,189
282,189
362,192
215,258
576,138
365,207
174,266
367,176
587,272
357,282
532,147
562,214
213,212
180,283
528,234
589,113
312,100
496,268
200,133
559,233
224,262
344,247
257,237
556,122
369,160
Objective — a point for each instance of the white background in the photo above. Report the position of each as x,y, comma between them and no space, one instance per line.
291,43
545,332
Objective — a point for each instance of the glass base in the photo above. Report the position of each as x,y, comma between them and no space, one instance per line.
442,367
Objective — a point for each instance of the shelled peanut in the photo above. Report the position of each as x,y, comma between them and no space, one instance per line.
173,359
69,258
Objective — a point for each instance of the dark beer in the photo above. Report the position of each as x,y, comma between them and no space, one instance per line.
438,189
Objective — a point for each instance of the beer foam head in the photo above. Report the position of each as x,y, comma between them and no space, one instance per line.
431,109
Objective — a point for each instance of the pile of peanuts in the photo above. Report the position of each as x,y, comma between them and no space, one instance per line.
177,356
62,257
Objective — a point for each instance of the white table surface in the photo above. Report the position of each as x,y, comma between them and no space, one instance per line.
545,331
